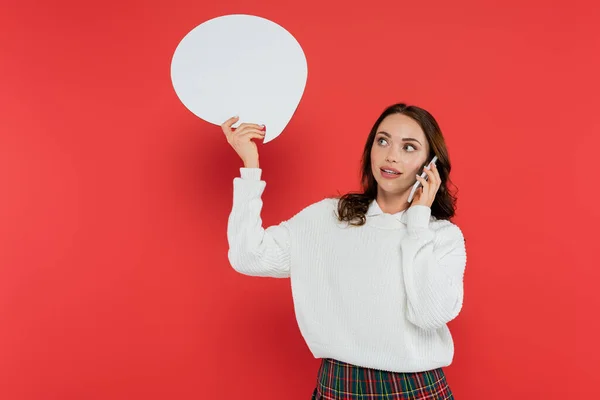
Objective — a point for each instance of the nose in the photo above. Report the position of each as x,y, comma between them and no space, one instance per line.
392,155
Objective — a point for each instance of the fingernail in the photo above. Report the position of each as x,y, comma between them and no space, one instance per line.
263,128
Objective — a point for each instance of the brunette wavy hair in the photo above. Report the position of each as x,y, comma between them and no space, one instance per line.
352,207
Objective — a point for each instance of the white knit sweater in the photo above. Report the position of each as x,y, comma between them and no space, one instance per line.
377,296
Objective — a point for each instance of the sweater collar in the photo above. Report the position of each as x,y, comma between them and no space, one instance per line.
375,210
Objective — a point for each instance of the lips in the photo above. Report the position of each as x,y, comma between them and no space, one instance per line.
390,170
389,173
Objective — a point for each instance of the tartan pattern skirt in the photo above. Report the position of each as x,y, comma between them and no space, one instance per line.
341,381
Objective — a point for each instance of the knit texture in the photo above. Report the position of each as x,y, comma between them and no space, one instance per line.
377,296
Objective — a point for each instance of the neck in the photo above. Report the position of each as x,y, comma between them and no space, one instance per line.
391,203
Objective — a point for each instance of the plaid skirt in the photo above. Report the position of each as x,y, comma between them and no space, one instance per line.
341,381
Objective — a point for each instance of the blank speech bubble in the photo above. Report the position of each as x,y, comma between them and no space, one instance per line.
240,65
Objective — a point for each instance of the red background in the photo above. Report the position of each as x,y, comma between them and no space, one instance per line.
114,279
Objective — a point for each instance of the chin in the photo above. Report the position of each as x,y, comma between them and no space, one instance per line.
393,190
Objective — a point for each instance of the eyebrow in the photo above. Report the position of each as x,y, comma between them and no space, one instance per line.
403,139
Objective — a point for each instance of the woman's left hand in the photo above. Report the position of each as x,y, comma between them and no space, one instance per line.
425,194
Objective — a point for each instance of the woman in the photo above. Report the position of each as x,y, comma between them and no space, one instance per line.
375,279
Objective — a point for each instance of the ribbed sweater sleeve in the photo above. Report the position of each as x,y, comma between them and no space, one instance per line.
433,264
254,250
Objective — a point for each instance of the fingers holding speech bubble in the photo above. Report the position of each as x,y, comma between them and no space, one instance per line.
240,65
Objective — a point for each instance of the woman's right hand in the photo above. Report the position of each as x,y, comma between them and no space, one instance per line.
240,139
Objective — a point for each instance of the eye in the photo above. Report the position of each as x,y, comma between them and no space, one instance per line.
410,148
381,141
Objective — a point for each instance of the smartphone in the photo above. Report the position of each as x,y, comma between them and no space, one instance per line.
417,183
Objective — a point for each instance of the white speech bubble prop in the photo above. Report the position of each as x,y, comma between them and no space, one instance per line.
240,65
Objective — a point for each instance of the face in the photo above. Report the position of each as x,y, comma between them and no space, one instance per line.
400,147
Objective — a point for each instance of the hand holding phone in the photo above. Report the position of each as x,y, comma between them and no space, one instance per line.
417,183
